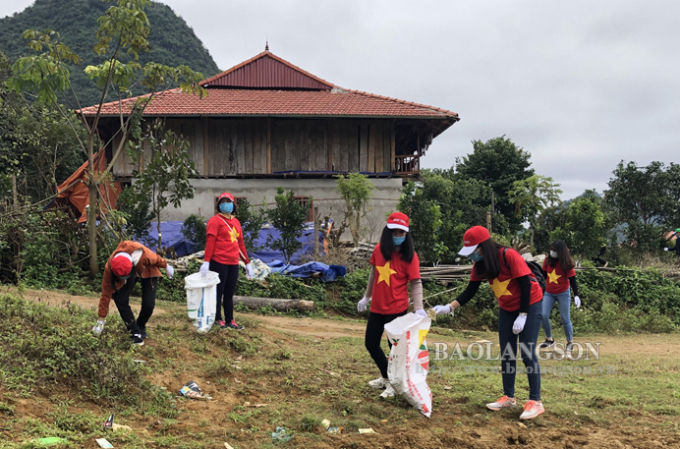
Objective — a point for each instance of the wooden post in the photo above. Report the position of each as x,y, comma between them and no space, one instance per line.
329,146
316,233
269,145
488,221
206,149
393,154
493,207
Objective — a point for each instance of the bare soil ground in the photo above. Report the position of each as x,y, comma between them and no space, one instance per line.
312,368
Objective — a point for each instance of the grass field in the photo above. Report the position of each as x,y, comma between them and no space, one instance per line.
304,370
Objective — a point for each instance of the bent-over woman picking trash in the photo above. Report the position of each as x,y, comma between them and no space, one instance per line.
520,299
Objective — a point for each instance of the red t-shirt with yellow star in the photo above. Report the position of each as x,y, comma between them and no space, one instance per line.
224,238
390,286
505,287
556,282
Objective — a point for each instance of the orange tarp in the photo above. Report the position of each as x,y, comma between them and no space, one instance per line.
74,191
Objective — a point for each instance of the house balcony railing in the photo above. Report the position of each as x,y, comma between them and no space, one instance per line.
407,164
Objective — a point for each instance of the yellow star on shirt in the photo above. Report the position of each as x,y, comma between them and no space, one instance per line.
500,288
385,272
553,276
234,234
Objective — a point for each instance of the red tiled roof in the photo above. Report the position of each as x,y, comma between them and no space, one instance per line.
267,85
254,102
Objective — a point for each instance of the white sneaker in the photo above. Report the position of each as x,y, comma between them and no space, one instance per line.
388,393
378,384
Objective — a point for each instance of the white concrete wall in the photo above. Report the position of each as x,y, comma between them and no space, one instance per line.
326,198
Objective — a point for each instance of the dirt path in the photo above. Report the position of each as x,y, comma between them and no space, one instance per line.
320,328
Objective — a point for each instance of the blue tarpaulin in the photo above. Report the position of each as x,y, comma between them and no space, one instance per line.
327,273
172,237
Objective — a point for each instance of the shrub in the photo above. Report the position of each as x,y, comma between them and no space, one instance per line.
193,229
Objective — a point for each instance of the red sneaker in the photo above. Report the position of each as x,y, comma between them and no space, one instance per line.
222,324
233,325
503,402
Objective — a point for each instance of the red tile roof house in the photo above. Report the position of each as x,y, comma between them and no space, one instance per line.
267,123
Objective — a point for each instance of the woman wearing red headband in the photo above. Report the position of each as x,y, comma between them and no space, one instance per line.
130,262
223,249
520,299
394,264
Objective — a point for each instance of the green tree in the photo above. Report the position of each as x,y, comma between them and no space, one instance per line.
532,196
123,29
288,217
498,163
425,223
584,226
356,190
165,175
251,221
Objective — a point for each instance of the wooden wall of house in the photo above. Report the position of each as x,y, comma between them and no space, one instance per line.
227,147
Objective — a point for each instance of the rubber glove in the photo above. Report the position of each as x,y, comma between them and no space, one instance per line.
204,269
443,309
421,312
362,305
99,327
519,324
577,301
169,271
249,271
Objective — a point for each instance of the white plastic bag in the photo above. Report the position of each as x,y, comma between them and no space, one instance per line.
409,360
202,299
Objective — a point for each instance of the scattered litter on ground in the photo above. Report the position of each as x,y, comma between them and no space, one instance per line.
483,341
281,435
248,404
447,387
367,430
191,391
384,421
120,427
103,443
330,373
227,445
335,430
50,441
108,424
140,361
326,424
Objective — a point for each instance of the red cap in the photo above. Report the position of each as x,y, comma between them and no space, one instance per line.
473,237
398,220
226,195
121,266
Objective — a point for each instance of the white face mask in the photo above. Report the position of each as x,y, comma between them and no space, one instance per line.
553,254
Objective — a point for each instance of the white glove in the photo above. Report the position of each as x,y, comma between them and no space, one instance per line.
204,269
665,249
361,305
577,301
249,271
169,271
99,327
519,324
443,309
421,312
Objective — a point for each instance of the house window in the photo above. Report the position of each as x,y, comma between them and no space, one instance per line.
236,198
308,204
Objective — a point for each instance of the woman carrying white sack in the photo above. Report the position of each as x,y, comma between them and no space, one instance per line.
394,264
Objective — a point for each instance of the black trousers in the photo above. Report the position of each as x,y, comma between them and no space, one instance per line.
225,289
122,300
374,331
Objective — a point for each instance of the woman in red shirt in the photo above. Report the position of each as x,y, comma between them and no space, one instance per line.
224,248
520,300
394,264
558,269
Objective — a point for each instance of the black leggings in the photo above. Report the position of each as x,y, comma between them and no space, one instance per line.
374,331
122,300
226,287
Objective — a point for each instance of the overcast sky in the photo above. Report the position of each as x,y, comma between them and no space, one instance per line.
581,84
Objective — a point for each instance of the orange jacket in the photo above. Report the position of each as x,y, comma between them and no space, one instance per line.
148,267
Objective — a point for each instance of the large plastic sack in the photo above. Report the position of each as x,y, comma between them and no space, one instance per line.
409,360
202,299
